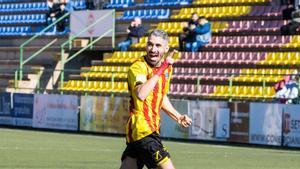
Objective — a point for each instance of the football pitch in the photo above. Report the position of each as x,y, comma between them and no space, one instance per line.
23,149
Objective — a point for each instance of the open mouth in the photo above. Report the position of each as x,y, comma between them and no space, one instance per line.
153,56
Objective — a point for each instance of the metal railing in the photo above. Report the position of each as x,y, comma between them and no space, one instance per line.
69,41
22,61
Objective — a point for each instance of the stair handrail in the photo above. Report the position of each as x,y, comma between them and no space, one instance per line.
69,41
40,50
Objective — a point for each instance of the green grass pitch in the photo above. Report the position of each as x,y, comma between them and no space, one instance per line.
21,149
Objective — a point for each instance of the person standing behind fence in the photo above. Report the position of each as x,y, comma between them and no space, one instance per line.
135,31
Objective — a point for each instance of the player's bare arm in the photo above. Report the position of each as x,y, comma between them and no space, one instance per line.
143,90
183,120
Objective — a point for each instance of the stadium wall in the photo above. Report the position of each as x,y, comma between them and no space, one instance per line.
252,123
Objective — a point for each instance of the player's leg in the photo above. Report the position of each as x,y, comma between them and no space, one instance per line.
166,165
152,153
129,159
129,163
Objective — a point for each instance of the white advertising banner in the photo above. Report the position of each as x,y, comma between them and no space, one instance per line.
291,125
82,19
55,112
206,115
265,124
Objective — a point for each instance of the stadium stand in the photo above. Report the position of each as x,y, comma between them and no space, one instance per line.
20,20
246,57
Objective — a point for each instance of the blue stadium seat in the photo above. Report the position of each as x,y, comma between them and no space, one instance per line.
80,4
146,14
164,2
120,3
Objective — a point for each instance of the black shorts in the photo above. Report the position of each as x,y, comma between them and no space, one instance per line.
148,151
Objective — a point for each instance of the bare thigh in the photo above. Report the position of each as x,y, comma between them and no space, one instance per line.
166,165
129,163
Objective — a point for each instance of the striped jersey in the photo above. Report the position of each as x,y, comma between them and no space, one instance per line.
144,116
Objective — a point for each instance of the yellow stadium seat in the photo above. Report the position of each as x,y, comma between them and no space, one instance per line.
213,11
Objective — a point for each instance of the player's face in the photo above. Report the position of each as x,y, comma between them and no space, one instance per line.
156,48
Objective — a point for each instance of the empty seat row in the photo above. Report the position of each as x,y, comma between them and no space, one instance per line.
192,73
223,11
251,56
124,57
19,30
255,25
262,75
96,86
6,1
260,58
79,4
267,92
128,54
260,41
234,74
119,3
164,2
270,10
210,2
250,92
231,11
146,14
17,7
191,89
26,18
106,72
205,71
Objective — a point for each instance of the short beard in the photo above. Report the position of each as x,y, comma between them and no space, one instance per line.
151,64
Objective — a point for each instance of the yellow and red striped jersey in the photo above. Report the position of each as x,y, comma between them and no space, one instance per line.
144,116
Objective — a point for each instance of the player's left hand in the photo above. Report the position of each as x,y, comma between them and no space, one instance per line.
184,121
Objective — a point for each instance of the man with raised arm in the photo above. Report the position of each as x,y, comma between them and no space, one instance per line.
148,81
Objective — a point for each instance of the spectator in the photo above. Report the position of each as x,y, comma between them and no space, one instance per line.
296,4
100,4
135,31
69,5
292,28
60,27
289,92
53,10
90,4
186,35
201,35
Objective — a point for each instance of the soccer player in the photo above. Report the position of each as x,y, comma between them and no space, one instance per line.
148,81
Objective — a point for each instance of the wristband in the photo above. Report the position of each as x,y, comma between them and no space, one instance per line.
162,68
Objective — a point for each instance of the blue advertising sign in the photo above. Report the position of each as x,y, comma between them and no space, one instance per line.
23,109
5,109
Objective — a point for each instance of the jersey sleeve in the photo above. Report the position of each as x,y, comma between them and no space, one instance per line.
137,74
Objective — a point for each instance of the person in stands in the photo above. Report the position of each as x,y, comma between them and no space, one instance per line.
188,27
135,31
200,35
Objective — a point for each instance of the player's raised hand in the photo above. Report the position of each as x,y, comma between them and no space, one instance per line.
185,121
169,58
